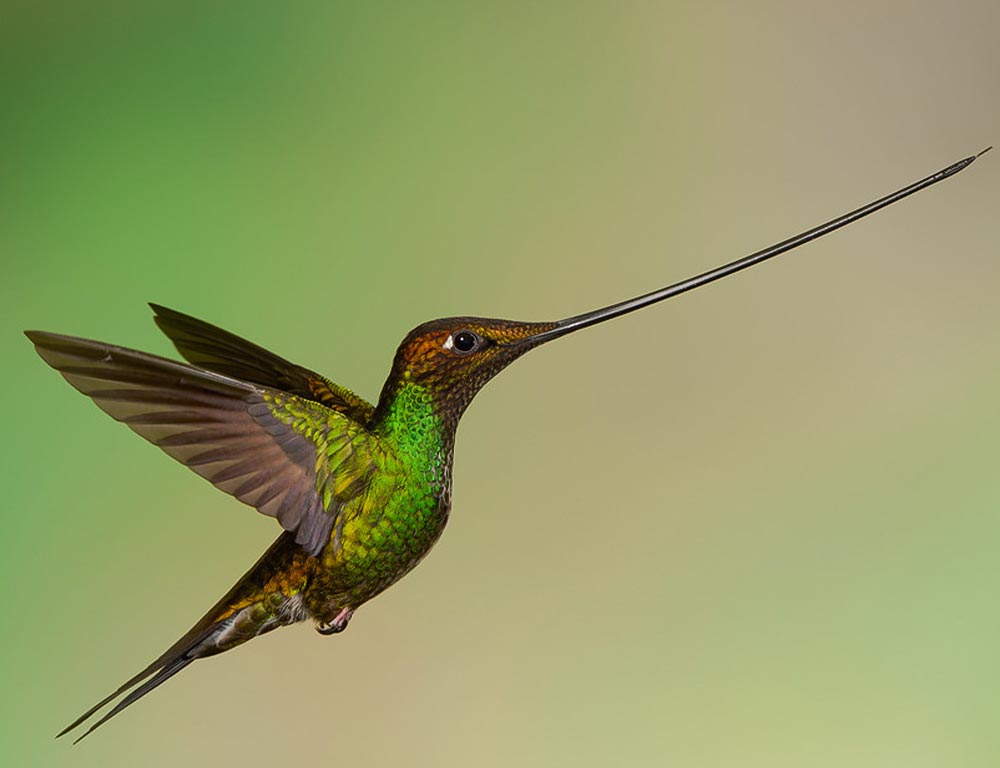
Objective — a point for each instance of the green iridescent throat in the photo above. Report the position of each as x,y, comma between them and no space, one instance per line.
409,419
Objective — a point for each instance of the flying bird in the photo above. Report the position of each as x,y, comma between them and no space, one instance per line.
361,491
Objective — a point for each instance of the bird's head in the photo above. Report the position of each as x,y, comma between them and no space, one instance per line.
453,358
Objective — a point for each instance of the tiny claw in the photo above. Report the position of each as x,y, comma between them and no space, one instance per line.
338,624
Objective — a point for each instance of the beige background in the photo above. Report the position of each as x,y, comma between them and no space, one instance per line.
757,526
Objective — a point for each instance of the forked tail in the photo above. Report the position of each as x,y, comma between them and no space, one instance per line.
267,597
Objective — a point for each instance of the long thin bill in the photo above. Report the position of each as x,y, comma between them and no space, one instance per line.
577,322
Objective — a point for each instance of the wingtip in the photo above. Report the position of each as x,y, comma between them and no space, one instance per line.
164,311
166,314
43,339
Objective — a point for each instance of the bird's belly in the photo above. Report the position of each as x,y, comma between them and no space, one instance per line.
376,550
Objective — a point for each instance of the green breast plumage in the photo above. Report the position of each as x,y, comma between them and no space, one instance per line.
393,515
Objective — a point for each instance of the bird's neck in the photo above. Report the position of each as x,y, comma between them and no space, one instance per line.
409,418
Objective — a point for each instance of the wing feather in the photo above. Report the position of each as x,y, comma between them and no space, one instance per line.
214,349
268,448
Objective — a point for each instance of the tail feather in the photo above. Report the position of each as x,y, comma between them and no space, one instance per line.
162,676
218,630
178,652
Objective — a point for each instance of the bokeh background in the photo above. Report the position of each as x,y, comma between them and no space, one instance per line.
757,526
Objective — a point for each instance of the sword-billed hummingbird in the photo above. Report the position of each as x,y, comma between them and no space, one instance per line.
362,492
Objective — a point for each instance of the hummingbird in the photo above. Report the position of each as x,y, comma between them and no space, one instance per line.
361,491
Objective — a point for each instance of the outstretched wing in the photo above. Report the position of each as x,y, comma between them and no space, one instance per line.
214,349
291,458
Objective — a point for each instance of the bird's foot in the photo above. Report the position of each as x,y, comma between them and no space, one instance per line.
338,624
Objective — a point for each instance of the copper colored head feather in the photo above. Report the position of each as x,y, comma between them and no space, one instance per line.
454,357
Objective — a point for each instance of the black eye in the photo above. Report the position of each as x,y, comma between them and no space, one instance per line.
465,341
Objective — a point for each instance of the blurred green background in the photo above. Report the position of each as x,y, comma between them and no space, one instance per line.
758,526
